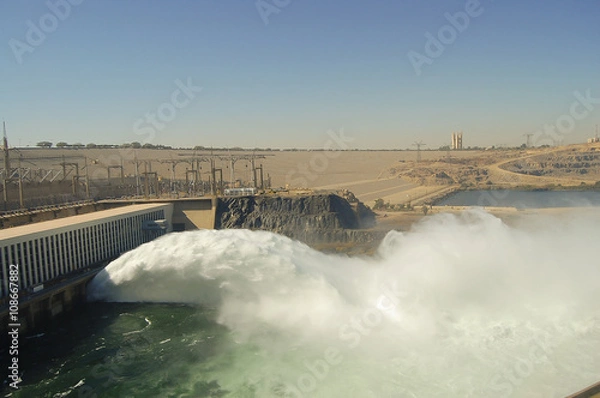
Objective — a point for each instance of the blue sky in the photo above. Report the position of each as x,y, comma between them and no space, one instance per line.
316,66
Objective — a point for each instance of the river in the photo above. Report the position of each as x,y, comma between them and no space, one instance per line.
523,199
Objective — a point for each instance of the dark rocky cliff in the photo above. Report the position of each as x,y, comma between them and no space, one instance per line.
312,219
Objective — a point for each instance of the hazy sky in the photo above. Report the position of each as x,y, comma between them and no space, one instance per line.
110,71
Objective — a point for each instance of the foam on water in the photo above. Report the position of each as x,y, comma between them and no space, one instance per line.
459,306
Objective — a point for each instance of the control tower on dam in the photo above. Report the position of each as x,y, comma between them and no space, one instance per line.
55,259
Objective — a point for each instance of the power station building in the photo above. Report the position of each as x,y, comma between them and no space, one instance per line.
457,142
48,250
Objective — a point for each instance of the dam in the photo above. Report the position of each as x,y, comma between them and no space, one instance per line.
54,259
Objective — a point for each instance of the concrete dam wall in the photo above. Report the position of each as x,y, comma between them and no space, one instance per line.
312,219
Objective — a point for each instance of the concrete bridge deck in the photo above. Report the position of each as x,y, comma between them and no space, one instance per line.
188,213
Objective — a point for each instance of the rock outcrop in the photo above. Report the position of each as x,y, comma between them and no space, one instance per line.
312,219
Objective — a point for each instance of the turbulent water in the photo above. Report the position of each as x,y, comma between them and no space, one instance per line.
460,306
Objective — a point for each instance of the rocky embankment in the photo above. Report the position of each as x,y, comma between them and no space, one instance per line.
574,162
313,219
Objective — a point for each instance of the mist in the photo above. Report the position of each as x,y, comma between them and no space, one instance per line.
460,305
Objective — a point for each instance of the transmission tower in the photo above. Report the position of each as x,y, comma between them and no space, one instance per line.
5,149
419,144
528,139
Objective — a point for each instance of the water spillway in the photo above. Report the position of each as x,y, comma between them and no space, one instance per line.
460,306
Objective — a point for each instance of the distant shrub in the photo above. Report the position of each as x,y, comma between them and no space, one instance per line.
378,204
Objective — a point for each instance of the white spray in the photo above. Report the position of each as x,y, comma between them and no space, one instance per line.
459,306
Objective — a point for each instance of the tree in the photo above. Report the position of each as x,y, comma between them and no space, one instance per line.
77,145
61,144
44,144
136,145
378,204
91,145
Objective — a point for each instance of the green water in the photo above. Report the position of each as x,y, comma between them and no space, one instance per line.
124,350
